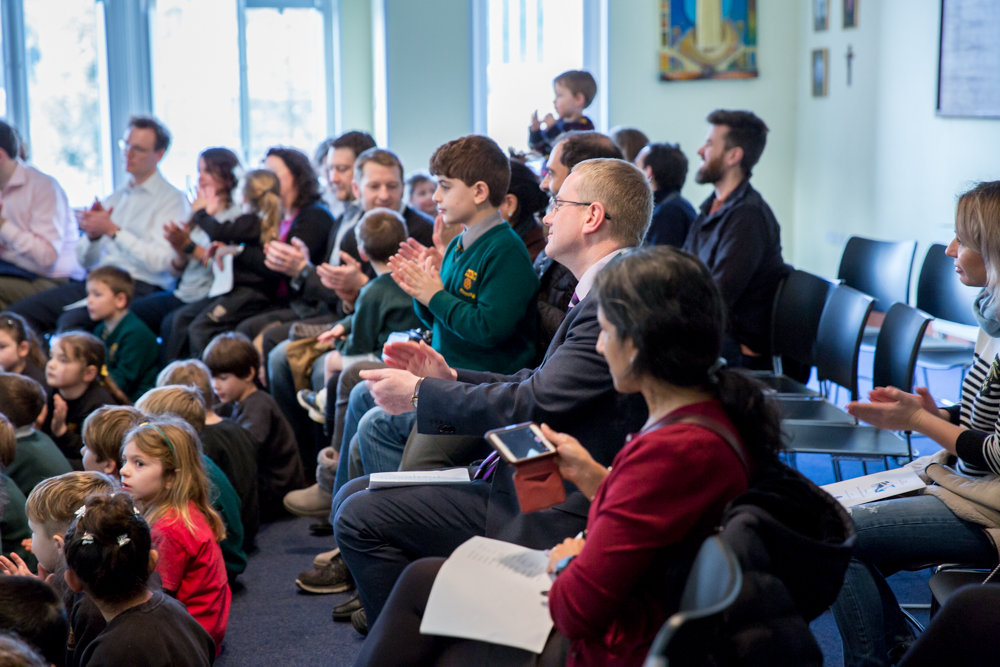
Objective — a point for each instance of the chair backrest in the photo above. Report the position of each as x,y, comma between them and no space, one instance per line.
879,268
940,292
898,346
712,586
798,307
838,339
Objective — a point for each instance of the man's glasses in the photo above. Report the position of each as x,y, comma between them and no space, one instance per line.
126,147
555,204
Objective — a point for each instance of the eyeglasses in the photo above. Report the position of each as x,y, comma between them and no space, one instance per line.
126,147
555,204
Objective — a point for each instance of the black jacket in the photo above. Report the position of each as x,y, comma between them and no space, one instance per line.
741,245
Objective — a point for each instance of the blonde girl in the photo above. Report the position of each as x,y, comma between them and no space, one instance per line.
163,474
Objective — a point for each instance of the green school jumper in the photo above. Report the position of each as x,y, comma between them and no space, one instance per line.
132,355
382,308
36,458
484,318
224,500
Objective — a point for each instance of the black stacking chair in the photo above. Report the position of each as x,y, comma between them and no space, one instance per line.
895,360
879,268
941,294
712,586
798,307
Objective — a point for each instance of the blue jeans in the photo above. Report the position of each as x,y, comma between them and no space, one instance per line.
893,535
381,436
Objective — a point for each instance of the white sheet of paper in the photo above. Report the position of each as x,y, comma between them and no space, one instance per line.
386,480
222,281
876,486
492,591
82,303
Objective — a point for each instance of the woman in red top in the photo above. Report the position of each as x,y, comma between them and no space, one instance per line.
662,321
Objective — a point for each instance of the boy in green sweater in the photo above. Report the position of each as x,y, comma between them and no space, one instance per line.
36,456
132,347
481,304
13,521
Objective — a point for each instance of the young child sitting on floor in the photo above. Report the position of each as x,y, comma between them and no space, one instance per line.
32,611
37,457
109,557
13,522
132,347
103,433
574,90
19,349
186,402
164,475
231,446
233,362
50,509
78,385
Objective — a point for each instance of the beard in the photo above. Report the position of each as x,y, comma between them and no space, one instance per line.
709,173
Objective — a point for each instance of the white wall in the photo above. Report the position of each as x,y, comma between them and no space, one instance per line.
675,111
875,159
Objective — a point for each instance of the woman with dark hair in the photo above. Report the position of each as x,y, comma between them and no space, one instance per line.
217,178
523,200
709,431
306,225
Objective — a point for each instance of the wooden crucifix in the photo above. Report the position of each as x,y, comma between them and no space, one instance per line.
850,57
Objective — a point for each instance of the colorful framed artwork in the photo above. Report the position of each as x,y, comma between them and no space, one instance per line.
708,39
820,72
821,15
850,13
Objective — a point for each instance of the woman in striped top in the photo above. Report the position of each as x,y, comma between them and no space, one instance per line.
957,517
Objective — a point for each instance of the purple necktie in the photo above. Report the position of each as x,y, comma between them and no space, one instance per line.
575,300
487,467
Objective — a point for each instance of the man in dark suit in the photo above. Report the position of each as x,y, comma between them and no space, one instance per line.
602,209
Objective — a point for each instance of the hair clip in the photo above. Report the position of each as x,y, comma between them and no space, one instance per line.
104,371
87,539
123,540
81,511
136,510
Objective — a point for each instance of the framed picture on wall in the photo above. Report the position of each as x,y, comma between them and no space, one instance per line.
708,39
821,15
820,72
850,13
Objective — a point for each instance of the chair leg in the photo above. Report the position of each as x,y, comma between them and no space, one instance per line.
836,469
913,621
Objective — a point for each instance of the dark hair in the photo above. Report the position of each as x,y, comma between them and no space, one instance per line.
381,231
579,81
580,146
231,352
530,198
9,140
89,350
104,430
119,281
658,294
150,123
746,131
15,652
8,448
472,159
669,165
417,179
21,398
107,546
302,173
357,141
21,332
629,140
33,610
222,164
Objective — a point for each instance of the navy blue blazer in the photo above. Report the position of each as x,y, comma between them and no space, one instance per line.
571,391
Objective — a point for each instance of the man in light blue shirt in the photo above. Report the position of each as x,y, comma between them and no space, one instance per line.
126,230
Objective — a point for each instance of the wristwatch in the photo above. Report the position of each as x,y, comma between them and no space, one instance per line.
416,393
189,248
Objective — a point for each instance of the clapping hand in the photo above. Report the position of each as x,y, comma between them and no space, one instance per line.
59,410
16,567
286,258
893,409
420,282
414,251
391,389
97,221
178,236
418,358
535,123
207,199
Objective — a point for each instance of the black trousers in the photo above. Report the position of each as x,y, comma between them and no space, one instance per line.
44,311
196,324
395,638
155,308
963,633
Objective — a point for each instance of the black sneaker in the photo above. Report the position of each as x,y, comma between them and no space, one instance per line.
343,611
333,578
360,621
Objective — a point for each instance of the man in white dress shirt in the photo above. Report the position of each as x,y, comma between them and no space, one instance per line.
38,232
125,230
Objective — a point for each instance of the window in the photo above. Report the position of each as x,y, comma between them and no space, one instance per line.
64,90
530,43
196,81
286,79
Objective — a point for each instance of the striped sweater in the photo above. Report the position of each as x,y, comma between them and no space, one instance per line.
978,448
